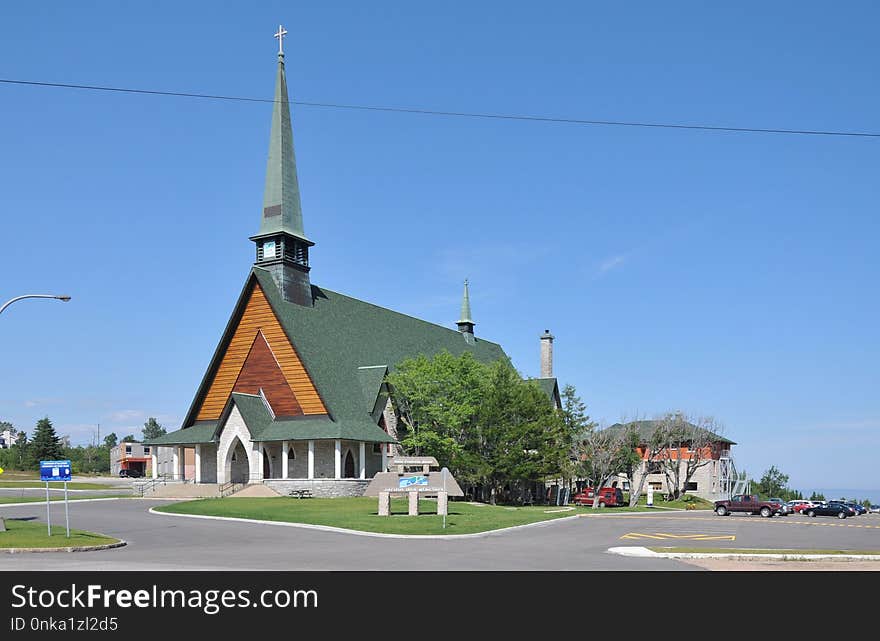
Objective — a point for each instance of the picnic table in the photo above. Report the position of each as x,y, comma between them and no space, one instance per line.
300,494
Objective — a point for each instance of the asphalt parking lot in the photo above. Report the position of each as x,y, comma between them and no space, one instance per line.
159,542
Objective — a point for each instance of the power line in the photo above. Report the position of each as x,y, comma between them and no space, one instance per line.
457,114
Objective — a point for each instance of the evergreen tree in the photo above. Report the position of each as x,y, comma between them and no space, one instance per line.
128,438
152,429
45,445
111,440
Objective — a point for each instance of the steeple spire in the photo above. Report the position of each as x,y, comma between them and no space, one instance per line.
282,246
466,323
281,206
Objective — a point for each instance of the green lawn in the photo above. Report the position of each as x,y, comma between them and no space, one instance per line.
684,550
55,496
32,534
361,514
72,485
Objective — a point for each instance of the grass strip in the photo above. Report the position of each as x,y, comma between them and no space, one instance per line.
32,534
362,514
55,485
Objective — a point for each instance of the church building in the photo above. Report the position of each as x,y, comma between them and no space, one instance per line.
294,396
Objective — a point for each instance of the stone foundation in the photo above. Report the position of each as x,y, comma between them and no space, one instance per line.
321,488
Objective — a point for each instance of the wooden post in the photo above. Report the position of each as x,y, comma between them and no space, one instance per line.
414,503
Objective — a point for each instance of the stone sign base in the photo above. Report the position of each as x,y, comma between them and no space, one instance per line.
385,503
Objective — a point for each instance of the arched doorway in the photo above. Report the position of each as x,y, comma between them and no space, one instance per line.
348,469
238,465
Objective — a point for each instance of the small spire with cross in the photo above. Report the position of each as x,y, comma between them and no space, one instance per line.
280,35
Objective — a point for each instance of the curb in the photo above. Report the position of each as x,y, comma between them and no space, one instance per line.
646,553
381,535
75,548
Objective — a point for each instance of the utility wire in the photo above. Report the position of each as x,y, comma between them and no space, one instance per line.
458,114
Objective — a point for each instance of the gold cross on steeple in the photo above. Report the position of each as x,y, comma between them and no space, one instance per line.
280,35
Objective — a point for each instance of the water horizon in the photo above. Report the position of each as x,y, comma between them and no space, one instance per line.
848,493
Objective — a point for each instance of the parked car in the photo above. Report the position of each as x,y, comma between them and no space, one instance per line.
839,510
608,497
858,507
132,473
784,508
799,505
874,509
750,503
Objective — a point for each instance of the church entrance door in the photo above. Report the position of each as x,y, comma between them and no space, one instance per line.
349,466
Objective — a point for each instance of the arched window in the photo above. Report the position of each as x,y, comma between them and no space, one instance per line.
291,455
349,466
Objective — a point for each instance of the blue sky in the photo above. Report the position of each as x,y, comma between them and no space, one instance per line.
732,275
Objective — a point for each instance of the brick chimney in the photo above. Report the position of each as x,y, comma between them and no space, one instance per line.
546,354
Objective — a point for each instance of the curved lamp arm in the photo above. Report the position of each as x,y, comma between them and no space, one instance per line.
9,302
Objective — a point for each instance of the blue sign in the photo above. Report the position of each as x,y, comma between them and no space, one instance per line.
409,481
54,470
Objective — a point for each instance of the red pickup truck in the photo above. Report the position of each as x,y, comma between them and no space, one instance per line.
750,503
608,497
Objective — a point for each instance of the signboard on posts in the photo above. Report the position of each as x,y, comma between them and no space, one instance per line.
55,471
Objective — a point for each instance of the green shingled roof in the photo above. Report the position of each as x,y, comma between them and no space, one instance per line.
202,432
548,385
371,383
338,339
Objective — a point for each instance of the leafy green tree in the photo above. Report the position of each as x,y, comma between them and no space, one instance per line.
437,400
773,483
45,445
494,431
521,438
110,440
128,438
816,496
152,429
22,450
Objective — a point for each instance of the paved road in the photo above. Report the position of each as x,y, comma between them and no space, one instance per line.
171,543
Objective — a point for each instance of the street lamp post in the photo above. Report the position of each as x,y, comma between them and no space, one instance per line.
9,302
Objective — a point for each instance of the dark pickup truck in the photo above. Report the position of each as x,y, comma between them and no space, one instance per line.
750,503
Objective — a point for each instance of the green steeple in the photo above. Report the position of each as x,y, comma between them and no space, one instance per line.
466,323
282,246
281,206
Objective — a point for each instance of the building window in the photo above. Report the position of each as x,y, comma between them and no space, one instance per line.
656,485
377,448
128,449
691,487
146,450
291,455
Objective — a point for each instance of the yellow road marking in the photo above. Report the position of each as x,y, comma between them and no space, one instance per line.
691,537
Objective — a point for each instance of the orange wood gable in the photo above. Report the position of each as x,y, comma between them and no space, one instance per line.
262,372
258,320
